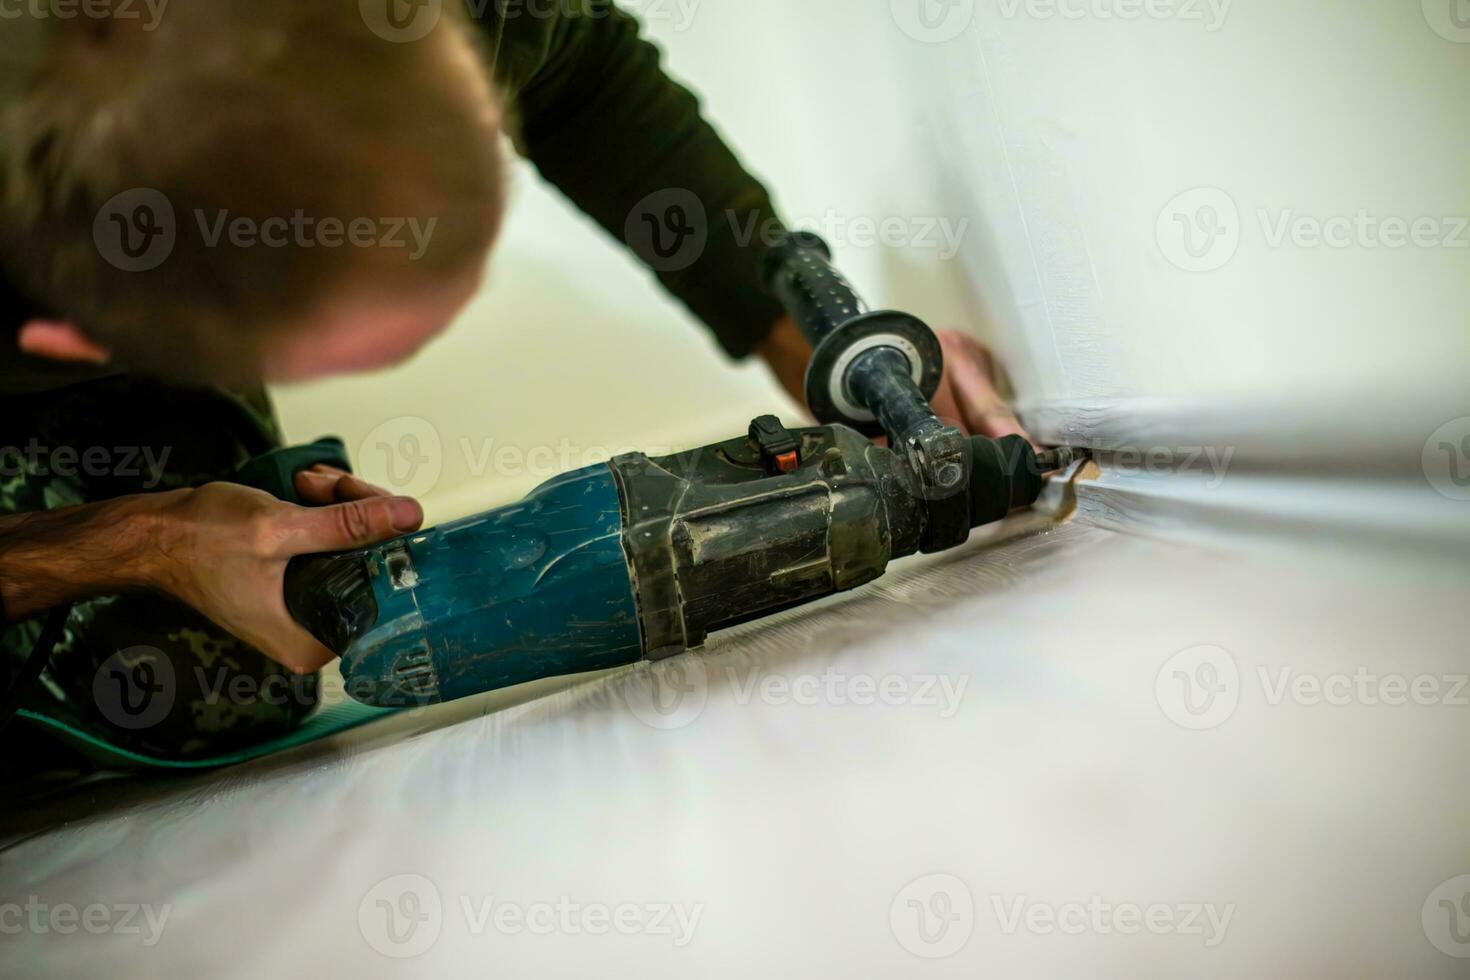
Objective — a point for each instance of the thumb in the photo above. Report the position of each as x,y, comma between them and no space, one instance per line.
344,527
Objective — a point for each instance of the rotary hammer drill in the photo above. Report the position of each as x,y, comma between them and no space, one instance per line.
642,558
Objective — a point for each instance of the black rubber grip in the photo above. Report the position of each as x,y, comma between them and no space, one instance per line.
1004,474
332,597
799,271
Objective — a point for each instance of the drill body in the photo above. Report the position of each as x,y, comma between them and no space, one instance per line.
642,558
637,559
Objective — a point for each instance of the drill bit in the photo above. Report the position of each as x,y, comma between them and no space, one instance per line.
1060,458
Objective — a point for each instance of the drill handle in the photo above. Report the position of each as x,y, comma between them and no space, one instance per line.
799,271
844,332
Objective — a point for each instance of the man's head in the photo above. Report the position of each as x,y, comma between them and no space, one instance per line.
249,188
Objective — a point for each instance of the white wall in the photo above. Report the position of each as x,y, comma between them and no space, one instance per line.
1074,139
1059,146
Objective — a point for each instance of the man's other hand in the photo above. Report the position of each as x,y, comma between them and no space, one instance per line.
969,395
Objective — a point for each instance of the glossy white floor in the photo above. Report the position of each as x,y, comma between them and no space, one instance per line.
1065,752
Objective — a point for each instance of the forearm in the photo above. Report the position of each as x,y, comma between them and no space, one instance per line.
603,122
787,353
50,558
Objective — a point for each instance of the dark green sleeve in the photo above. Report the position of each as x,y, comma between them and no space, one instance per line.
594,111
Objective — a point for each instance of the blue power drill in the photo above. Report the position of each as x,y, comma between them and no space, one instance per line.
642,558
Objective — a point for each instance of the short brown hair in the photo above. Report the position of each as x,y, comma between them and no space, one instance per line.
241,110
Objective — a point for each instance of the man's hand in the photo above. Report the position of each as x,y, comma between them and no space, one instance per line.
968,396
223,549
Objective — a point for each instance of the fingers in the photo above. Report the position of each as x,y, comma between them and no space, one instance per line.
970,376
957,342
323,485
343,527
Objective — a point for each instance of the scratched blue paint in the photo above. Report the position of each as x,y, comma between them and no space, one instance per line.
538,589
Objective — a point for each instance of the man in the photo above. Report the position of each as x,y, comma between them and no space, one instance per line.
167,243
